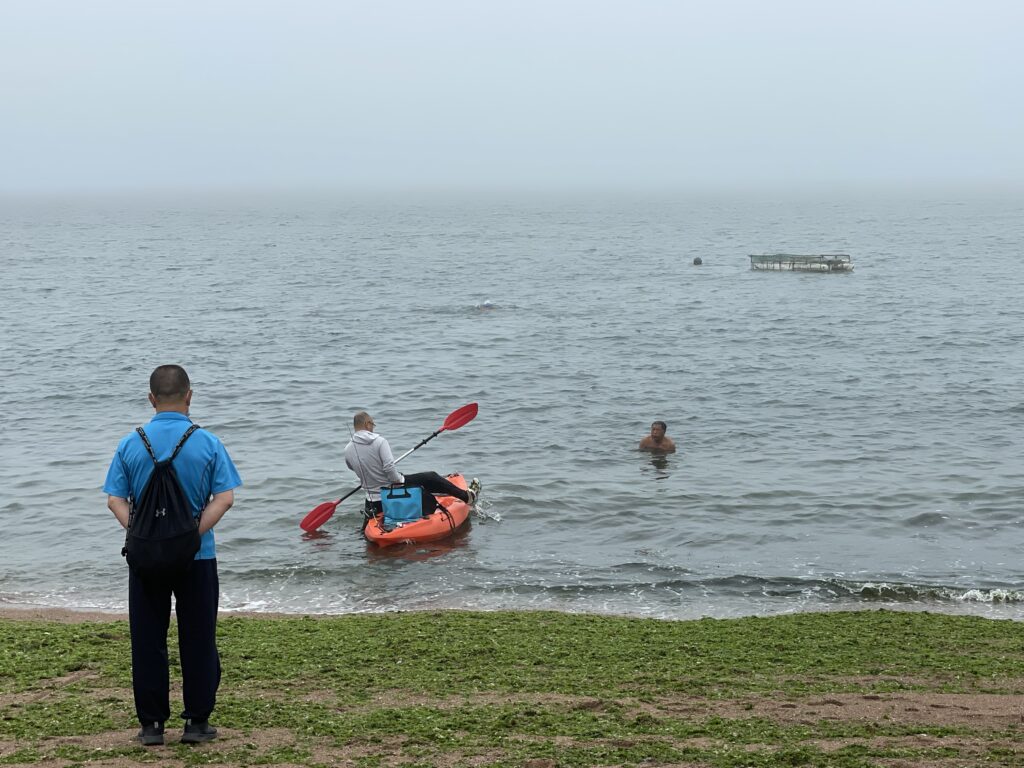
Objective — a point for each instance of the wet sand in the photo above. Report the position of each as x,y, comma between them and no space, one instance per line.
74,616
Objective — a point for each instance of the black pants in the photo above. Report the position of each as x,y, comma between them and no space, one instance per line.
196,596
432,483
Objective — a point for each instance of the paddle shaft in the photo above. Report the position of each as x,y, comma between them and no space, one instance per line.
423,442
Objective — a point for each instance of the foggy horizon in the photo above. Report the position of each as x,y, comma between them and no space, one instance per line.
398,96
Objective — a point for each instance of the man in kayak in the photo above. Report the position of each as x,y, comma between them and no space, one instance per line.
657,440
369,456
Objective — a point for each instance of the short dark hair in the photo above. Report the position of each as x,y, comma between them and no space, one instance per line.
169,382
661,424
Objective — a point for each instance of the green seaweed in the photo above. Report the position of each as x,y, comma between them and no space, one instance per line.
504,689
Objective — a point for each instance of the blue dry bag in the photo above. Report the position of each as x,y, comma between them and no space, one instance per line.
401,504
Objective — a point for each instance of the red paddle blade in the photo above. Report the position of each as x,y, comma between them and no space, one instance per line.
460,417
318,516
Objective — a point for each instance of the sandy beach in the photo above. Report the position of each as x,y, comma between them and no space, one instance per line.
76,616
61,615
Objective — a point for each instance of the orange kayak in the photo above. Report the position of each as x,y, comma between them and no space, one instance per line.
442,523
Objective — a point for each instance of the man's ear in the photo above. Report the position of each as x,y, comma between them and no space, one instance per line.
152,400
188,399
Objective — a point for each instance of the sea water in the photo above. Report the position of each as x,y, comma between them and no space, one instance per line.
845,440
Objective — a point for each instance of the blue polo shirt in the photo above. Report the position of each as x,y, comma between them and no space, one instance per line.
203,466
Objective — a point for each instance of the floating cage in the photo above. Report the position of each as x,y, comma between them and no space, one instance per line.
790,262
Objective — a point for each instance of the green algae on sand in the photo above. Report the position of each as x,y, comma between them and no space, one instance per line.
541,689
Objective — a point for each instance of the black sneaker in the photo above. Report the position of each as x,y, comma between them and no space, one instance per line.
198,731
151,735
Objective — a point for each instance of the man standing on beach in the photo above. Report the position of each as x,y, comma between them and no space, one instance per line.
657,440
208,478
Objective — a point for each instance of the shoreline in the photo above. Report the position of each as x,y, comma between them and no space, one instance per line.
70,615
78,616
60,615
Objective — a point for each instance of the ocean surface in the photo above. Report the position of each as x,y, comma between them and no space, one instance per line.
847,441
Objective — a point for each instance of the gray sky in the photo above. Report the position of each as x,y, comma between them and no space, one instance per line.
123,93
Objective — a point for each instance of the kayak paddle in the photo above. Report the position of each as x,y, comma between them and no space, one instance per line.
460,417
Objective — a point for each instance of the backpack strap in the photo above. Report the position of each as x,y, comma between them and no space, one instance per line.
149,448
186,436
145,441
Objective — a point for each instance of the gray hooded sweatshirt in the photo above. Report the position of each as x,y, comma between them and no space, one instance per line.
369,456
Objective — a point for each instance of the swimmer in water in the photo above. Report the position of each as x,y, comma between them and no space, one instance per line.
657,440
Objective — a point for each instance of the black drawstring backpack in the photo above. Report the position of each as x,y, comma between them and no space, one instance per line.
163,536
